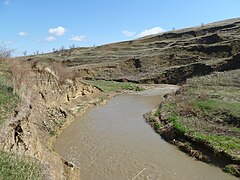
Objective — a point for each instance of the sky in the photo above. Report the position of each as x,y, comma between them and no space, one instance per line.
30,25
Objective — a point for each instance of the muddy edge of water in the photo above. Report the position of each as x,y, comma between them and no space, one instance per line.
114,142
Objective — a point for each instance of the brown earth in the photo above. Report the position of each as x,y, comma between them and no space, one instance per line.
47,104
53,93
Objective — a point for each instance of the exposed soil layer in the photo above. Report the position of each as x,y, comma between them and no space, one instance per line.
48,102
52,90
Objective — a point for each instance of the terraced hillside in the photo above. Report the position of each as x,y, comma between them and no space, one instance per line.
55,88
169,57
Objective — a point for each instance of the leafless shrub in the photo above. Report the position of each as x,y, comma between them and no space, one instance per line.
25,52
72,46
21,81
36,52
62,48
5,52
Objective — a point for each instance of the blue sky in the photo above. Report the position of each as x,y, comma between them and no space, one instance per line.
45,24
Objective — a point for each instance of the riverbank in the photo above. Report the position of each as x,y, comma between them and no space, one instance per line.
114,142
13,166
202,119
55,89
49,106
49,103
107,90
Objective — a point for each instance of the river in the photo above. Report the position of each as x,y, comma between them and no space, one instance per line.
114,142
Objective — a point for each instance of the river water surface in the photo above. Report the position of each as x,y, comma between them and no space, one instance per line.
114,142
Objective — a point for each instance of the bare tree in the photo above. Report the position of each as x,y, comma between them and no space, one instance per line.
72,46
62,48
5,52
25,52
36,52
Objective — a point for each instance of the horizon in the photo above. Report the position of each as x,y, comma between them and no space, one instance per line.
42,26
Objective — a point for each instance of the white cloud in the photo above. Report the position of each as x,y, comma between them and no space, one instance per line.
58,31
147,32
50,38
6,2
79,38
22,33
128,33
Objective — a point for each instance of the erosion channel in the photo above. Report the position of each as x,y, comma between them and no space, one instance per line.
114,142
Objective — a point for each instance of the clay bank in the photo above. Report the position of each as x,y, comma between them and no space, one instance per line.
47,111
114,142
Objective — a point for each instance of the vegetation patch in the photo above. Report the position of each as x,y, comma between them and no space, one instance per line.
206,110
157,113
18,167
233,169
8,100
112,86
157,126
220,143
177,124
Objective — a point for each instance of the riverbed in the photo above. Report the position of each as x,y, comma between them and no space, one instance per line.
114,142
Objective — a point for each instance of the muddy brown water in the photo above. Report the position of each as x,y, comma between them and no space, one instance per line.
114,142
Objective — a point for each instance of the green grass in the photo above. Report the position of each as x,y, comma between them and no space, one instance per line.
177,124
112,86
208,110
207,105
220,143
228,79
157,113
7,99
18,167
214,105
157,126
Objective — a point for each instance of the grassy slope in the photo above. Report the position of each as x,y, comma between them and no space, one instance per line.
216,102
11,165
7,99
208,109
18,167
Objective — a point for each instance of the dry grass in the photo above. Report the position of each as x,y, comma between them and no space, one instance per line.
8,100
208,109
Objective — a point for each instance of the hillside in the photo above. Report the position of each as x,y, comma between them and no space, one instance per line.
51,90
169,57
